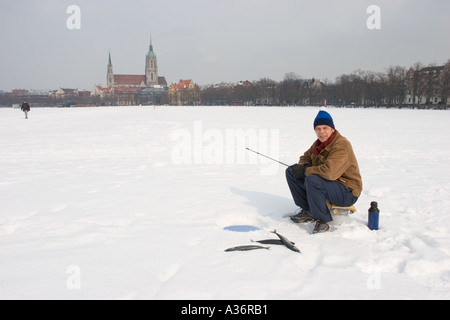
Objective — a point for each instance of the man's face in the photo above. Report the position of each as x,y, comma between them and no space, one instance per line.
323,132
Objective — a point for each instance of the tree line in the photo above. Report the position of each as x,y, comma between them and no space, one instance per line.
398,86
419,86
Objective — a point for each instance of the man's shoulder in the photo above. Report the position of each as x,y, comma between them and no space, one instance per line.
341,141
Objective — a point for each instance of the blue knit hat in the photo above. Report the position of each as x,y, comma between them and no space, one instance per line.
323,119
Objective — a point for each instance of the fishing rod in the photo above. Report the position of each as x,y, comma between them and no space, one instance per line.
284,164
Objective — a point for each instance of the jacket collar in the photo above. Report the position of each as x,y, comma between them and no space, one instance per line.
319,146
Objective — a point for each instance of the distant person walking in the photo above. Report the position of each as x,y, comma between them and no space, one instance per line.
25,108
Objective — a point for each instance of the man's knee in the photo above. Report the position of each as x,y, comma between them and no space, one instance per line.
313,180
288,171
289,175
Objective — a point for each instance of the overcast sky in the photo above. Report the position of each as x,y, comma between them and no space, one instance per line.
210,41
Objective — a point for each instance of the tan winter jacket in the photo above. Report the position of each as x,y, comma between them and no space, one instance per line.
336,162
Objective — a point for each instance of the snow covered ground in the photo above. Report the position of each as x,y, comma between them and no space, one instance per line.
131,203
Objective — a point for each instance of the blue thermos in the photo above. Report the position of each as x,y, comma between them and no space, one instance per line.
374,216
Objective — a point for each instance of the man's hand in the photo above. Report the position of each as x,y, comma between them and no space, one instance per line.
298,170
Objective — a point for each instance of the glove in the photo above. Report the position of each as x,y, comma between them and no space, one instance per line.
298,170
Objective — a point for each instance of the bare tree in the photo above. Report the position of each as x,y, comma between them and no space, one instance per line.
395,85
290,89
445,83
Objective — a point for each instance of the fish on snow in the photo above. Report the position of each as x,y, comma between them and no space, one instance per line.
286,242
246,248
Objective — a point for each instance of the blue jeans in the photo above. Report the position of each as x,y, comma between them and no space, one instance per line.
312,193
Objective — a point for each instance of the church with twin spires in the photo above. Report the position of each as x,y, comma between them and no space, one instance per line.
150,79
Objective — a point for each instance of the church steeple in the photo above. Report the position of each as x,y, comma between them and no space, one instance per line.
151,54
151,67
110,73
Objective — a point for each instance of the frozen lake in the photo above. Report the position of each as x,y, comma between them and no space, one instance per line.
131,203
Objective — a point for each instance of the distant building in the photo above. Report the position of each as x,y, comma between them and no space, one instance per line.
427,86
99,91
129,89
148,80
18,92
186,92
63,93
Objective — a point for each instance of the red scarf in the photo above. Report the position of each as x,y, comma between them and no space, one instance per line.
319,146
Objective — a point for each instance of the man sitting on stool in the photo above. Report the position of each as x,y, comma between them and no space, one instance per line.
327,171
